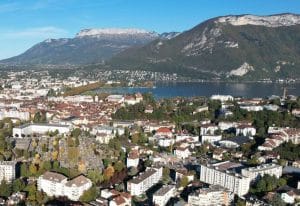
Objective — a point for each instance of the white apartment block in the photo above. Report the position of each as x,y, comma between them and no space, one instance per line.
74,188
245,130
222,98
184,137
210,138
212,196
52,184
226,125
182,152
107,130
55,184
115,98
30,129
139,185
7,171
133,159
163,195
13,113
255,173
208,129
73,99
223,174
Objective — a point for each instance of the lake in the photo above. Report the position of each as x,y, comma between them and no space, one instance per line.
190,89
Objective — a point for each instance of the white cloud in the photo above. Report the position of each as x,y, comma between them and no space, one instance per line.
40,32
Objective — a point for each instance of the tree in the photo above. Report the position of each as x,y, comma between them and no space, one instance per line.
5,189
47,165
132,171
24,170
32,169
18,185
126,133
89,195
240,202
266,184
55,165
184,181
135,138
76,132
54,155
147,163
95,176
3,143
277,201
106,162
109,172
166,173
39,117
41,198
119,166
51,93
32,190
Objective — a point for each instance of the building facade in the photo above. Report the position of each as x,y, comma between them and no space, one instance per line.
163,195
212,196
144,181
30,129
255,173
223,174
55,184
7,171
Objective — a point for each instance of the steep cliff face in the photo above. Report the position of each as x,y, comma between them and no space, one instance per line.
244,46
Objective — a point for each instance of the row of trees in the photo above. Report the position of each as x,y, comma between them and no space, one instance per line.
267,184
289,151
165,110
82,89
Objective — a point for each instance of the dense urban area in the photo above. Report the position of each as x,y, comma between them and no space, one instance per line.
62,143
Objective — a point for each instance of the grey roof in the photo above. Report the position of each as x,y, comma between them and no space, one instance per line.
41,124
143,176
165,189
53,176
8,163
239,139
78,181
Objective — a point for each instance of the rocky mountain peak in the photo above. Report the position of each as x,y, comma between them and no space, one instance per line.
268,21
113,31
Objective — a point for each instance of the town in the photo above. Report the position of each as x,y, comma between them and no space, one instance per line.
61,144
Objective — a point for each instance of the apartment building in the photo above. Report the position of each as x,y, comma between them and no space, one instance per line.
133,158
55,184
52,183
139,185
14,113
213,196
7,171
163,195
225,174
212,139
255,173
30,129
74,188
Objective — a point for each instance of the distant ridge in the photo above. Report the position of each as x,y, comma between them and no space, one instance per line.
246,47
89,46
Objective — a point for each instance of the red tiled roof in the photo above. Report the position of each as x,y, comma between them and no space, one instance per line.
164,130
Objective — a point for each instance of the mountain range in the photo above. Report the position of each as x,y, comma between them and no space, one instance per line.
243,47
87,47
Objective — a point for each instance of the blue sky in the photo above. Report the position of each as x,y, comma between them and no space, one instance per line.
26,22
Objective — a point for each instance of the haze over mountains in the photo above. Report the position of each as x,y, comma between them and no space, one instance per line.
245,46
